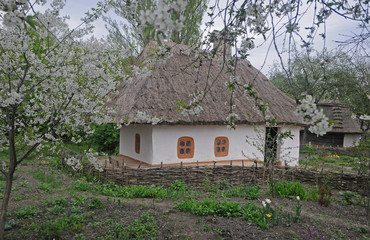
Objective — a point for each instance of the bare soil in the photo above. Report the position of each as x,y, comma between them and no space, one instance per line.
333,222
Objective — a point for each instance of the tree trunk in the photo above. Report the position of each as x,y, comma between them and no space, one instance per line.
4,205
9,175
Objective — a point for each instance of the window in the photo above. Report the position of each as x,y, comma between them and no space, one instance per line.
137,143
221,146
185,147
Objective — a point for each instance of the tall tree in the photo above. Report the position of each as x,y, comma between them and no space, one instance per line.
335,75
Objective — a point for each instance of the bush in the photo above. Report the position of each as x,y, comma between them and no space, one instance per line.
105,138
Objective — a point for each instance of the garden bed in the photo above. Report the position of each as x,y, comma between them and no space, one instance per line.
48,203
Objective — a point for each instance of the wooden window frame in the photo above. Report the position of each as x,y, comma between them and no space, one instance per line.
226,145
137,143
185,147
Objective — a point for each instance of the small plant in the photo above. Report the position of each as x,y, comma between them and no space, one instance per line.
255,214
324,195
57,209
206,228
349,198
178,185
298,210
82,185
96,204
285,189
79,200
44,187
27,212
18,197
224,184
143,228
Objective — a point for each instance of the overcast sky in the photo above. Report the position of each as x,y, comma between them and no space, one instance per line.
336,28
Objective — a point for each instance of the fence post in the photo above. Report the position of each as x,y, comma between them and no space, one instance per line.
243,163
161,164
231,162
181,164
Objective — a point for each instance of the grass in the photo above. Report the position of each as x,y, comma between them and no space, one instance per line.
47,180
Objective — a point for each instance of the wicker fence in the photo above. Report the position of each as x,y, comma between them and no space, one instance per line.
197,175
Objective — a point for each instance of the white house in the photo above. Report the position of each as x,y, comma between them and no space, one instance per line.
202,137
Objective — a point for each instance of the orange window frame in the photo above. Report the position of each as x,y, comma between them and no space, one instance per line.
137,143
185,147
221,146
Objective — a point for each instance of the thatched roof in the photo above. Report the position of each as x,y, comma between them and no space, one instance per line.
342,114
174,81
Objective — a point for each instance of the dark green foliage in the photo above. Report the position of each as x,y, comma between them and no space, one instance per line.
105,138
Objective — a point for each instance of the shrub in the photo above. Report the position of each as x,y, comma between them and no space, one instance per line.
105,138
324,195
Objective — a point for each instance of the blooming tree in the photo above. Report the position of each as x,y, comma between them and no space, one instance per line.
312,116
52,82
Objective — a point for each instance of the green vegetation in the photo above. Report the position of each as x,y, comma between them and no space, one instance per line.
144,227
210,207
48,180
27,212
105,138
285,189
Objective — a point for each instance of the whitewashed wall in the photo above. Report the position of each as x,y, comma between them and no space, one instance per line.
165,143
288,151
127,142
350,140
159,143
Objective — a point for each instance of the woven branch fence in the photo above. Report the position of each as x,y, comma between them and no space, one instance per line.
197,175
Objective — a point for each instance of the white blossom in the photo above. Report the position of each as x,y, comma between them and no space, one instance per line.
310,115
94,161
74,163
144,117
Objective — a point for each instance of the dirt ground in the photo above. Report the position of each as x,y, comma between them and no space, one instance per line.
317,222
